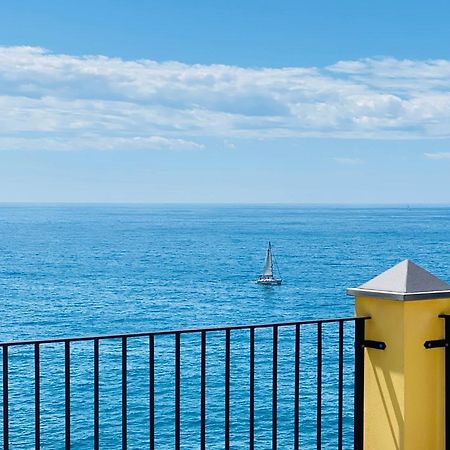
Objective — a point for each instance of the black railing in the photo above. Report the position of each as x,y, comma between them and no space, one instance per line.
337,369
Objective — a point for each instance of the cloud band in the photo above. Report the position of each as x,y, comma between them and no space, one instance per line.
57,101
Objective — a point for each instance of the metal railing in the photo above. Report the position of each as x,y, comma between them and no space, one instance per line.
283,357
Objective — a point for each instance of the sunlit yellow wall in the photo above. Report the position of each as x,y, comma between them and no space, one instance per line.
404,384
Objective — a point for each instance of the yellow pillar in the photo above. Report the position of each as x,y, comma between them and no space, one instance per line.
404,384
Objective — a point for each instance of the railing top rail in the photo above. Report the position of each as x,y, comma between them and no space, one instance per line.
174,332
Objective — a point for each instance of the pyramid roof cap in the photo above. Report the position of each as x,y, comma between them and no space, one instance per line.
404,281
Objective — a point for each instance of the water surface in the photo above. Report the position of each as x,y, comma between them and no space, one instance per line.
82,270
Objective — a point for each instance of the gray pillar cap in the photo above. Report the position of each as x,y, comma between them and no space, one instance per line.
404,281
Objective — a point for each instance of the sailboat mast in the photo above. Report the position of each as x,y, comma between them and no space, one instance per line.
268,266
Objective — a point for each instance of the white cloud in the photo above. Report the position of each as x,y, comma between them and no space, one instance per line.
438,155
96,142
64,101
229,144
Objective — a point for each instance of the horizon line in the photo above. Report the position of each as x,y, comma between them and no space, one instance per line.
194,203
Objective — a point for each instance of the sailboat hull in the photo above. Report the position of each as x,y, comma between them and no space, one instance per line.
269,281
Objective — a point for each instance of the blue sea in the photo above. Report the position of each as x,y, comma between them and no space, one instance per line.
70,270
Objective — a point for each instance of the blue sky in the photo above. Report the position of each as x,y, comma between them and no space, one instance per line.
255,101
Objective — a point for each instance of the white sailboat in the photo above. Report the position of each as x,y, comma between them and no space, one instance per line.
267,277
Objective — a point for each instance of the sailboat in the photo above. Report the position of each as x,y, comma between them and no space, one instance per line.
267,277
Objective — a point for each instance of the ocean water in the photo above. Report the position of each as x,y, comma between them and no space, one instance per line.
70,270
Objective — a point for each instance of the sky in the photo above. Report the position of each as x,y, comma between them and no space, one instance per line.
225,102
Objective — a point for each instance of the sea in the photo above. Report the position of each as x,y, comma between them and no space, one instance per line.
76,270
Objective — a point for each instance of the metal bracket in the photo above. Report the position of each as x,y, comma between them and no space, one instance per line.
436,344
378,345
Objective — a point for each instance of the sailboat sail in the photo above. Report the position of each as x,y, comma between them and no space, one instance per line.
267,277
268,266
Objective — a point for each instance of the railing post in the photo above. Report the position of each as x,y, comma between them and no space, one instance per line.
404,384
447,384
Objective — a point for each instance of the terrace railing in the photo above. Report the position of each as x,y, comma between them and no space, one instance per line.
277,385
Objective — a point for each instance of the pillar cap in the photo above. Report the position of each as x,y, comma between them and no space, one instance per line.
404,281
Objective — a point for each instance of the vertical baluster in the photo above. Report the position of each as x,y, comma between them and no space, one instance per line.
227,388
177,389
96,394
297,389
5,399
203,393
359,385
341,384
37,398
319,387
67,392
252,390
124,394
151,344
275,387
